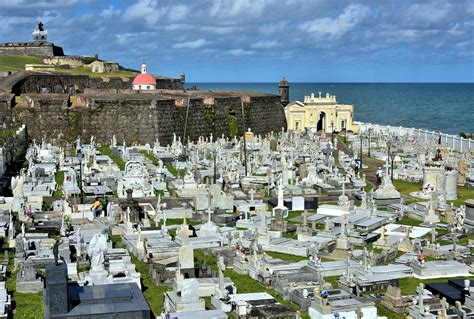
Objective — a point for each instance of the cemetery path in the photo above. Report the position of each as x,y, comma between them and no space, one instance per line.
372,164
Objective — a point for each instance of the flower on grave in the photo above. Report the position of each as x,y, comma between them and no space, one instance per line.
28,213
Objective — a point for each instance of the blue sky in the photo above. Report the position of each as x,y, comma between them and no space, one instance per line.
262,40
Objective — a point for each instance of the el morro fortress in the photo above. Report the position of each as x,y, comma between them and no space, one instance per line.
59,106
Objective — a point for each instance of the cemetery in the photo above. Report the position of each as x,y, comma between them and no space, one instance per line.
291,224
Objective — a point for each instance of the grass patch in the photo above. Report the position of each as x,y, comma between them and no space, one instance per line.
27,305
409,285
286,257
59,178
88,71
174,171
105,150
150,156
406,187
153,293
464,194
409,221
383,311
17,63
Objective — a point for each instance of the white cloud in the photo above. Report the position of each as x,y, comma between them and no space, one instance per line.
271,28
109,12
222,30
190,44
147,10
124,38
233,8
266,44
335,28
239,52
429,12
178,12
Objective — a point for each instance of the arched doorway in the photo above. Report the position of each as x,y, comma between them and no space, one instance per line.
321,125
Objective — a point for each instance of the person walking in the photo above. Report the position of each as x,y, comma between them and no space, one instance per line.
96,208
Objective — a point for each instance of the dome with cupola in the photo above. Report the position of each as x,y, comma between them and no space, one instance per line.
144,81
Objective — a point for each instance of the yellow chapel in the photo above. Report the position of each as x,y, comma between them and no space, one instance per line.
322,113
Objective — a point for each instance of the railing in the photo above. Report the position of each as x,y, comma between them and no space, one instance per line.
455,142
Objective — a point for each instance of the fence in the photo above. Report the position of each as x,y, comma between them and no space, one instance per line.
455,142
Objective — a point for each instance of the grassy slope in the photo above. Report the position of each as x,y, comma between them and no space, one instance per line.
105,150
17,63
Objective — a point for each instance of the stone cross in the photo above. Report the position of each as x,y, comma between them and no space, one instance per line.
221,266
209,212
252,193
280,193
461,313
433,233
420,290
326,224
343,226
305,218
444,307
365,257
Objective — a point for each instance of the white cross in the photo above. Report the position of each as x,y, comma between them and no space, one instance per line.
251,192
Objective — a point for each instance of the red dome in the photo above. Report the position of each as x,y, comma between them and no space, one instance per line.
144,79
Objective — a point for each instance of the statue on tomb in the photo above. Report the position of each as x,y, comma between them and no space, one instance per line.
56,251
188,177
459,218
97,249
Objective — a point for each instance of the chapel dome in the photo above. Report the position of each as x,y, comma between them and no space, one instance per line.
144,79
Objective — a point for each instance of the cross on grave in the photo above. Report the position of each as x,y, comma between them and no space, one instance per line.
420,290
221,267
326,224
444,308
461,313
251,193
343,226
433,233
209,212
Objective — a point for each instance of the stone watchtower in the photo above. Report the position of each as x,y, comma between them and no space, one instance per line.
284,92
40,35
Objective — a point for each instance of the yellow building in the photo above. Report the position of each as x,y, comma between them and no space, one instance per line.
322,113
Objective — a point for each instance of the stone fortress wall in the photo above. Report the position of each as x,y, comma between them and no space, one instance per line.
30,49
106,108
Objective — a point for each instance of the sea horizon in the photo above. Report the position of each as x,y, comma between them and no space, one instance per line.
435,106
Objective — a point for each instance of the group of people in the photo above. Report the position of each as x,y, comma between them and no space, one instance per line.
99,206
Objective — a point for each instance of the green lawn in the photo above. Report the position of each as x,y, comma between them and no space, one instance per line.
87,71
154,294
382,311
174,171
286,257
29,305
17,63
409,221
59,178
150,156
463,195
409,285
105,150
406,187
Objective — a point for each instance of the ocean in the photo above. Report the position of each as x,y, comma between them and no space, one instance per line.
444,107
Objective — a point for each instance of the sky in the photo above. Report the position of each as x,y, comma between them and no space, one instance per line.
262,40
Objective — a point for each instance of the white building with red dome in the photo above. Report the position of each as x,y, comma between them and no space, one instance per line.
144,81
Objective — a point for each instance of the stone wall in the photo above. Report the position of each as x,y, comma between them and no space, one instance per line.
59,83
30,48
141,118
5,108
